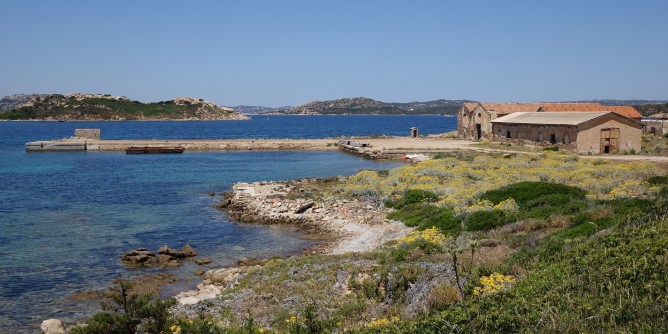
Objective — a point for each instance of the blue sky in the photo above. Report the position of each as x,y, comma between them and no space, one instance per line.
290,52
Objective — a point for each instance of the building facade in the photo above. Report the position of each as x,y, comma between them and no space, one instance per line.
584,132
474,119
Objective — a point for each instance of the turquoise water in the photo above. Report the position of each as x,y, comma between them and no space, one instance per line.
66,217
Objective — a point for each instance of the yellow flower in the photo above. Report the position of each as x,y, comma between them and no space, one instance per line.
260,330
493,283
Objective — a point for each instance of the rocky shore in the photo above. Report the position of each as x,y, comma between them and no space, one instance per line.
343,226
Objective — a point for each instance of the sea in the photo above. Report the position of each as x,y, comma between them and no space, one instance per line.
66,217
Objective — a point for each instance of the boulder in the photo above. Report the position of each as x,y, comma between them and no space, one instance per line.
171,252
223,276
202,261
53,326
188,251
164,258
139,257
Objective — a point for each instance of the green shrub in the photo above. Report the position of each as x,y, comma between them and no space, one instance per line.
611,284
124,313
551,148
413,196
525,192
487,220
658,179
424,216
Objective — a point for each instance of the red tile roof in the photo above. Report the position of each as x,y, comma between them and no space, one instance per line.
627,111
510,107
560,107
506,108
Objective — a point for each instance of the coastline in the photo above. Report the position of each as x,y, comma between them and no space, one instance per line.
341,226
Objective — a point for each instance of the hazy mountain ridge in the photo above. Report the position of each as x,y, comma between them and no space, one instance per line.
256,110
12,101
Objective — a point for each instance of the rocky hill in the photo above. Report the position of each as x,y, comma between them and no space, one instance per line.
108,107
367,106
12,101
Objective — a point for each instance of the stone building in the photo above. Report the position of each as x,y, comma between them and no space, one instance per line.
585,132
474,118
657,127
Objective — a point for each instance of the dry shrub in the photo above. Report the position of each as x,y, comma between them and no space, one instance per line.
559,221
490,255
442,294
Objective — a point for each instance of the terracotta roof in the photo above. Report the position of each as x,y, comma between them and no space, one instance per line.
561,118
506,108
470,106
627,111
510,107
561,107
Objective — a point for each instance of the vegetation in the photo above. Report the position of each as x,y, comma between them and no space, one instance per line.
124,313
547,243
95,107
655,145
651,109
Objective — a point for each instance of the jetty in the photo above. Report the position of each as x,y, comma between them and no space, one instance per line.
394,148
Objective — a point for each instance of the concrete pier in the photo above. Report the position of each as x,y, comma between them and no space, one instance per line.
187,144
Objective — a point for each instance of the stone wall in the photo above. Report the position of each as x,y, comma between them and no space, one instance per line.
537,133
655,127
522,142
87,133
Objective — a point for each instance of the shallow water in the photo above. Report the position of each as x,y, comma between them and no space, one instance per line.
66,217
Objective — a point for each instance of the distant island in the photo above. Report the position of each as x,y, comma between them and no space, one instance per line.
367,106
92,107
108,107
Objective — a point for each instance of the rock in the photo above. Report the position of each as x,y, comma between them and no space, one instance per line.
211,193
171,252
202,261
172,264
223,276
245,262
164,258
198,272
361,278
188,251
304,207
139,257
53,326
341,285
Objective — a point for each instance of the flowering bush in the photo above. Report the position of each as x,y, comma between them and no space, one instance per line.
493,283
430,236
382,322
459,184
